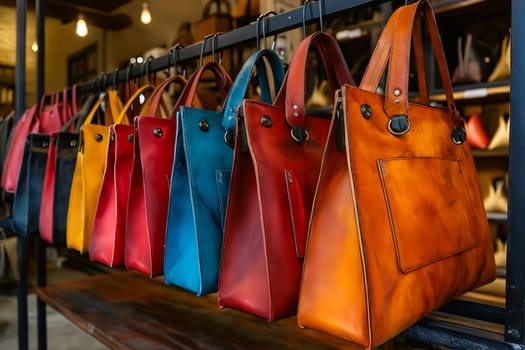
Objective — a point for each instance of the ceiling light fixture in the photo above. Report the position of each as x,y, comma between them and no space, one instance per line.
145,15
82,29
34,46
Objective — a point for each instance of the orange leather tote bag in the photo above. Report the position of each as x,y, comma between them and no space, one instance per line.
276,161
398,227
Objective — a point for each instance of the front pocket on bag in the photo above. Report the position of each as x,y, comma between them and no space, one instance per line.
300,188
430,205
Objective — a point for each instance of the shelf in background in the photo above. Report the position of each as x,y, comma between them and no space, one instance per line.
497,217
483,92
455,11
486,153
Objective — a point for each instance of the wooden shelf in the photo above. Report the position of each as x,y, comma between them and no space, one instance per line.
483,92
484,153
126,310
455,11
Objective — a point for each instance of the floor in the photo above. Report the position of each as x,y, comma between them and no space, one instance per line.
62,334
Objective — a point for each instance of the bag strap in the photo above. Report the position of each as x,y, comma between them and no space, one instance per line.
188,95
153,103
381,54
396,95
241,83
291,95
94,109
122,117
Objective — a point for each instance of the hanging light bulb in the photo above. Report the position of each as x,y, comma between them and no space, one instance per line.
145,15
82,29
34,46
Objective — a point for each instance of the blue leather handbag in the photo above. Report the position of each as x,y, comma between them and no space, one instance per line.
200,179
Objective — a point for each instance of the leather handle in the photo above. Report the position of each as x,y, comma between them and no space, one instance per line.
396,94
381,54
292,91
241,83
189,93
151,107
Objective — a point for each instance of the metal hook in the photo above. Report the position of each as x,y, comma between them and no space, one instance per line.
264,18
320,15
174,53
203,46
214,48
148,63
128,77
115,78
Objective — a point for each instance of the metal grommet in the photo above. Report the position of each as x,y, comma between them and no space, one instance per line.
459,135
73,143
399,125
366,111
299,134
266,120
229,137
99,137
396,101
157,132
203,125
45,144
131,136
397,92
295,107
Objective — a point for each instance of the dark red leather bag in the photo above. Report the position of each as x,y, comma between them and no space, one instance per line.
276,162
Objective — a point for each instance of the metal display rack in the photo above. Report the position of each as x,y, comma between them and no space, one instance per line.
512,317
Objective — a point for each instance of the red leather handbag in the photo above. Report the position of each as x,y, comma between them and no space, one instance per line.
150,179
276,162
110,212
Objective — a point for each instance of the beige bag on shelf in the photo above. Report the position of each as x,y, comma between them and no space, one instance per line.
502,69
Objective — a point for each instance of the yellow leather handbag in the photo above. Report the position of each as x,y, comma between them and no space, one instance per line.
89,169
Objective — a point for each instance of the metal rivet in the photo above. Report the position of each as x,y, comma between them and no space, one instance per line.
203,125
397,92
229,137
266,120
459,135
131,136
295,114
399,125
98,137
45,144
396,101
295,107
73,143
366,111
157,132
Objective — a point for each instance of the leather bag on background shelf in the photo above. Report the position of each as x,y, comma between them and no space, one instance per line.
109,227
201,178
89,169
398,227
477,136
502,69
211,23
28,195
60,165
500,139
475,61
277,156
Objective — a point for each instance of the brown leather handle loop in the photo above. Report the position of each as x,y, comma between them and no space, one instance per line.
381,54
291,95
396,94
